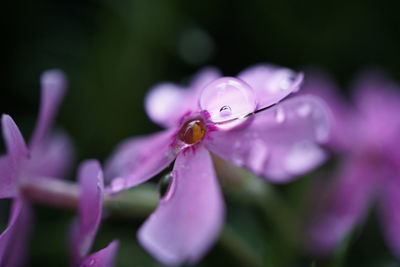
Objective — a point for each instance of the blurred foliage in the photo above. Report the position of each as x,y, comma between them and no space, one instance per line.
114,51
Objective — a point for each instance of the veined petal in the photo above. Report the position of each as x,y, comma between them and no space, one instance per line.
189,217
340,205
271,83
14,239
390,214
102,258
279,143
14,141
90,209
166,103
53,85
52,158
139,159
8,184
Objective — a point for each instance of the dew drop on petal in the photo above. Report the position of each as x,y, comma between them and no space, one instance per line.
117,184
257,156
280,115
227,98
167,186
287,81
304,110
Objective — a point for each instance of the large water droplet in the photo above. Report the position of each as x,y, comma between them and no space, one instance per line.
304,110
227,99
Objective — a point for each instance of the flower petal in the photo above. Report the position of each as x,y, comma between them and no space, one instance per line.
90,209
340,205
52,158
14,141
14,239
8,184
390,214
53,85
190,216
102,258
278,143
138,159
166,103
271,83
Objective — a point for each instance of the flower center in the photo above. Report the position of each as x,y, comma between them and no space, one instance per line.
192,131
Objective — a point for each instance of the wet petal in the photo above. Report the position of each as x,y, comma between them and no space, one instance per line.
271,83
53,85
226,99
278,143
52,158
90,209
14,239
166,103
340,205
8,185
189,217
139,159
14,141
390,214
102,258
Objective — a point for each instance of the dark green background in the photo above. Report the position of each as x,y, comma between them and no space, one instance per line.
114,51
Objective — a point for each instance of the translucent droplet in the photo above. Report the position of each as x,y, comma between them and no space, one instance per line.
225,111
192,131
280,115
166,186
287,80
232,96
304,110
117,184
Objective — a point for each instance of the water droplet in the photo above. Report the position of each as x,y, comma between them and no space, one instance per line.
257,156
225,111
303,156
227,99
304,110
287,81
280,115
166,186
192,131
117,184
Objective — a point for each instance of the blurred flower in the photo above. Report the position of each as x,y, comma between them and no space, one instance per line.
49,155
367,136
216,115
90,211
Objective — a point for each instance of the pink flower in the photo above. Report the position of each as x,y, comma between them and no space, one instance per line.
239,119
366,134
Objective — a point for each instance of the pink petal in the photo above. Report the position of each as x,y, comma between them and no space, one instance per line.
340,205
189,218
102,258
226,99
166,103
53,84
390,214
52,158
90,209
278,143
8,184
271,83
15,238
14,141
138,159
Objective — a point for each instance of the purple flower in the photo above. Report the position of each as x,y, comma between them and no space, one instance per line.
216,115
367,136
90,211
49,154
